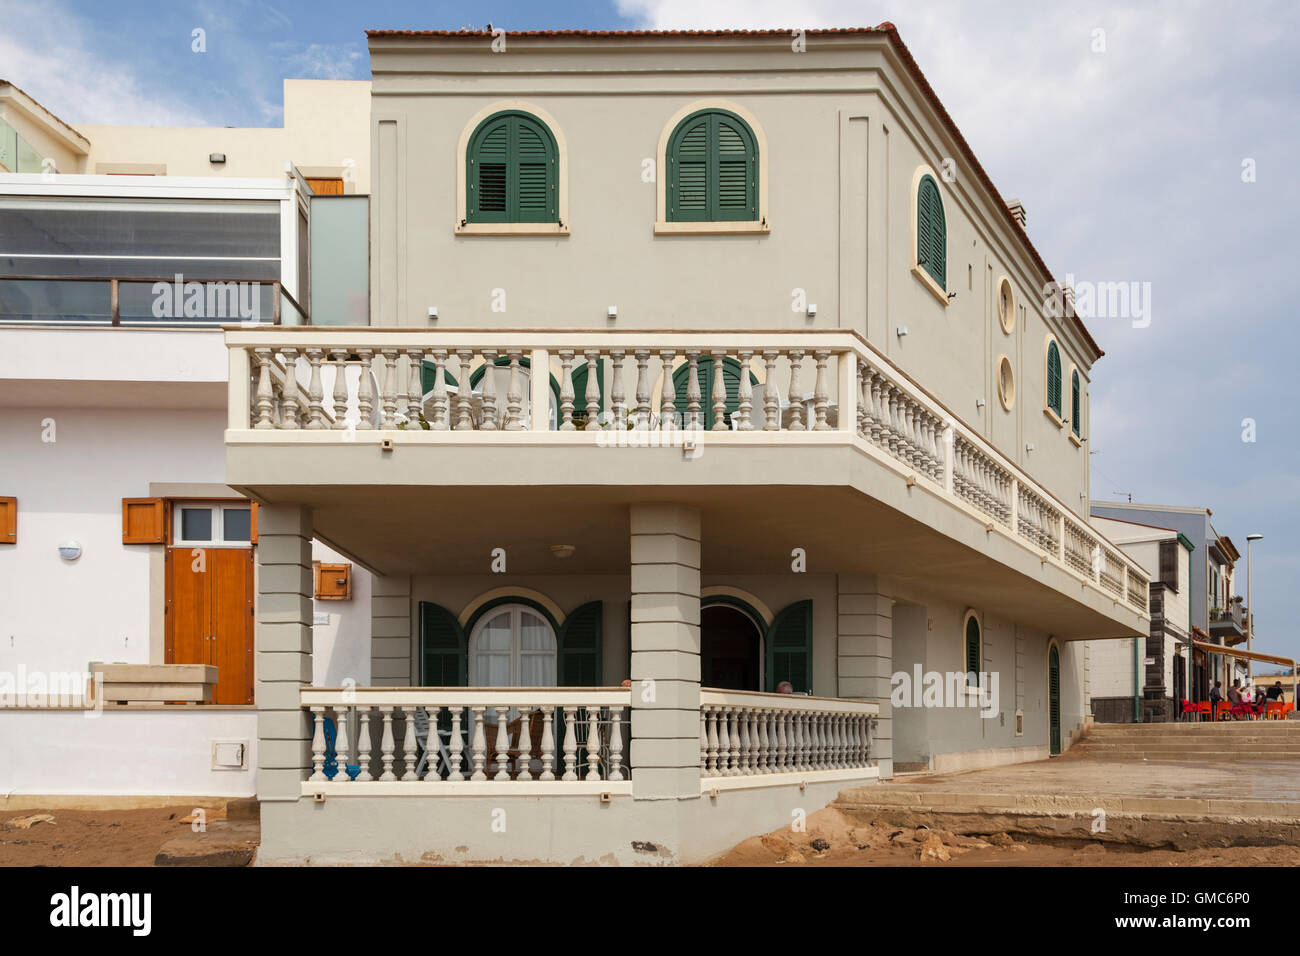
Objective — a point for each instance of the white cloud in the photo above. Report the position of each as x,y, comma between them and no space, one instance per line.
46,51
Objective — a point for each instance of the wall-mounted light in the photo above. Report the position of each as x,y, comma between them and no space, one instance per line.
901,331
563,550
812,311
611,312
433,312
70,550
979,403
216,158
1029,446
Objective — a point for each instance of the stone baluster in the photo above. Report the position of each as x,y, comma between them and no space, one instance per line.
318,744
464,393
388,401
548,745
616,743
719,396
386,744
733,735
592,397
457,747
342,751
771,394
289,394
764,745
593,743
570,744
441,410
363,744
724,743
315,392
755,743
782,742
525,759
742,719
515,392
489,390
801,741
668,395
879,410
265,395
478,744
704,742
408,742
821,398
414,388
642,389
617,396
439,391
566,391
713,741
864,401
503,744
340,357
797,410
432,750
745,394
694,416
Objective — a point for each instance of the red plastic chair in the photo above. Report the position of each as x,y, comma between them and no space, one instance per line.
1275,710
1205,712
1223,711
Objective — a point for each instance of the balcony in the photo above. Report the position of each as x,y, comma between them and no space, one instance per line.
1229,623
314,412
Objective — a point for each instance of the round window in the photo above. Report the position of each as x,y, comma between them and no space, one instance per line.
1006,383
1006,305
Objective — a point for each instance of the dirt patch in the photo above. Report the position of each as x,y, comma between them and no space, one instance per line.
850,843
91,837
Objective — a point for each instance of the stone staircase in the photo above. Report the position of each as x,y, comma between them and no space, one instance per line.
1222,740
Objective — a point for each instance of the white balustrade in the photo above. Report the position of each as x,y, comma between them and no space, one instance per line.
472,737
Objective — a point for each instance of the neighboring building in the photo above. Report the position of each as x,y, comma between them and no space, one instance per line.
670,376
1218,615
1144,679
113,380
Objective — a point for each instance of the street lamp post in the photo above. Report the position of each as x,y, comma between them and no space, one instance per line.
1250,612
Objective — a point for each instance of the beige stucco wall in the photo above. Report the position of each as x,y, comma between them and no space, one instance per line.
845,132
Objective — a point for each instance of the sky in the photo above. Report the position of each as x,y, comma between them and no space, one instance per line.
1150,142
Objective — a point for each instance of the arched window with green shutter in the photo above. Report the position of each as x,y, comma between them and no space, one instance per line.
712,169
789,648
972,653
1054,378
704,372
931,231
512,170
1076,402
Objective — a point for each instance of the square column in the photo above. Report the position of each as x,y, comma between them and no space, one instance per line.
665,626
284,648
865,655
392,641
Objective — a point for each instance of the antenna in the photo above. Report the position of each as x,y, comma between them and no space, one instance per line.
1124,494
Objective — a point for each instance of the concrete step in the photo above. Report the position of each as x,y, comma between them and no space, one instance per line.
1173,743
1194,756
1282,727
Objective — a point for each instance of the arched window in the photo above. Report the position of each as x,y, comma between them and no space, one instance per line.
1076,402
973,654
512,170
931,231
1054,377
712,169
512,646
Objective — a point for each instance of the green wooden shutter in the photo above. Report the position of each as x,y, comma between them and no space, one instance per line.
443,661
712,169
973,647
931,231
1054,378
513,170
1076,402
789,648
580,641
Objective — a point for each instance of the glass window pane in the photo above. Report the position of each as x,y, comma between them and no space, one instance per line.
236,524
340,260
40,300
495,635
196,524
537,670
536,633
194,303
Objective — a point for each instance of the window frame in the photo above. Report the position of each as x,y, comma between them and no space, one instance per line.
1075,380
462,226
217,509
713,212
971,615
515,609
1054,414
938,289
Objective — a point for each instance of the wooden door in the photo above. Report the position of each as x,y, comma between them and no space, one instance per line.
209,616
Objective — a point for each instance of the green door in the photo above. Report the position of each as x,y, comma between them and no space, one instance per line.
1054,699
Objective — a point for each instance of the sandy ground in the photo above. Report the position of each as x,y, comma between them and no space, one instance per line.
832,839
90,837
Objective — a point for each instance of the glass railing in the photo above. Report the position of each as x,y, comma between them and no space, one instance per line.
16,154
140,303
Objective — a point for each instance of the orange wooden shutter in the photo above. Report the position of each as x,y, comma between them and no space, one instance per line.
145,520
325,187
8,520
252,524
